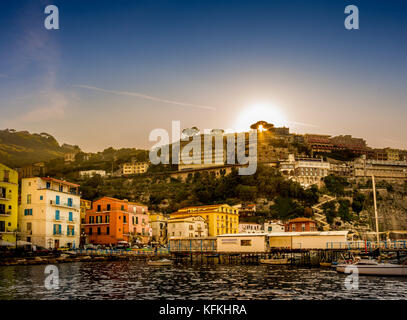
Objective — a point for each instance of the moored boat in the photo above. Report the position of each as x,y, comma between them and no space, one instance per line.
325,264
371,267
158,263
280,261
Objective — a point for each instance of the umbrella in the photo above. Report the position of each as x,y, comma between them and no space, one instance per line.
4,243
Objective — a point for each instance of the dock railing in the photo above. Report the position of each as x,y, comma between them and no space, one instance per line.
134,252
368,246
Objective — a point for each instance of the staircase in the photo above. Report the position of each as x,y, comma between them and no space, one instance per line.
318,212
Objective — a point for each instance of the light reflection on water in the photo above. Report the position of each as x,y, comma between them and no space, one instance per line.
136,280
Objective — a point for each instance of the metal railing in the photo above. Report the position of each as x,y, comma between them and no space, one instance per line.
134,252
368,245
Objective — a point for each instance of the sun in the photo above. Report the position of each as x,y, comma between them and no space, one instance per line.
256,112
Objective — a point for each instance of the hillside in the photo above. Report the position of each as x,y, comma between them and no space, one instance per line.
19,148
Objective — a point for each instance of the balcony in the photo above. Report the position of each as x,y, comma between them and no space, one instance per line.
3,197
58,219
71,234
5,214
63,205
58,234
74,220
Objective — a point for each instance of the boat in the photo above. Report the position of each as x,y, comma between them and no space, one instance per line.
325,264
280,261
158,263
372,267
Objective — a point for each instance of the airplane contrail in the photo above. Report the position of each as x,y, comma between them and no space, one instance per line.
144,96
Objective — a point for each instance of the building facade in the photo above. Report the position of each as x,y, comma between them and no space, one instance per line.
158,223
274,226
139,224
8,203
301,225
134,168
250,227
85,205
92,173
187,227
49,214
221,218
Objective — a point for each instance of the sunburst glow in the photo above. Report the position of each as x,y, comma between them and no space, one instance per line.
256,112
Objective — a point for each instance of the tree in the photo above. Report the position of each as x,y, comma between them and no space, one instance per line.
343,210
336,185
329,209
286,208
358,202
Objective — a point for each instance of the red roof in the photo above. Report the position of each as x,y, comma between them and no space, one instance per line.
61,181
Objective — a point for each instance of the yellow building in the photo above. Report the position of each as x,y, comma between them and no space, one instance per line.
392,154
221,218
8,203
84,205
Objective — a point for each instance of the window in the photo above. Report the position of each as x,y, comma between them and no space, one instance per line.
293,227
124,219
41,197
245,243
122,208
108,207
3,193
28,198
136,220
107,230
99,232
107,219
303,227
28,212
29,226
99,208
90,231
91,219
48,185
70,202
2,226
6,175
61,188
57,199
57,216
70,217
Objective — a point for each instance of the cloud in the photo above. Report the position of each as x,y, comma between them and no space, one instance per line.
144,96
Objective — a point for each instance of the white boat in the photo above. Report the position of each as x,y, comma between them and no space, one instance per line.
158,263
371,267
275,261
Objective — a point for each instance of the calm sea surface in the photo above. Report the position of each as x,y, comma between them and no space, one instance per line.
136,280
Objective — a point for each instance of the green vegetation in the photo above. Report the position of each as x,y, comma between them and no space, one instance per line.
336,185
20,148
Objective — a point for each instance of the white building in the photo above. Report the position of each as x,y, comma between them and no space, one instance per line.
250,227
187,227
49,214
92,173
306,171
274,226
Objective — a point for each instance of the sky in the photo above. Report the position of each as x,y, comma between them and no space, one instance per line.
116,70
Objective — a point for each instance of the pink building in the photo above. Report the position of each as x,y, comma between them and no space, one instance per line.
139,224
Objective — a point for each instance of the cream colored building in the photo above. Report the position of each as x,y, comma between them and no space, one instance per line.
250,227
49,214
92,173
308,240
305,171
187,227
158,223
381,169
135,168
273,226
242,242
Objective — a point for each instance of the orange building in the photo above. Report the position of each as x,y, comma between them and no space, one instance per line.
108,221
301,225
